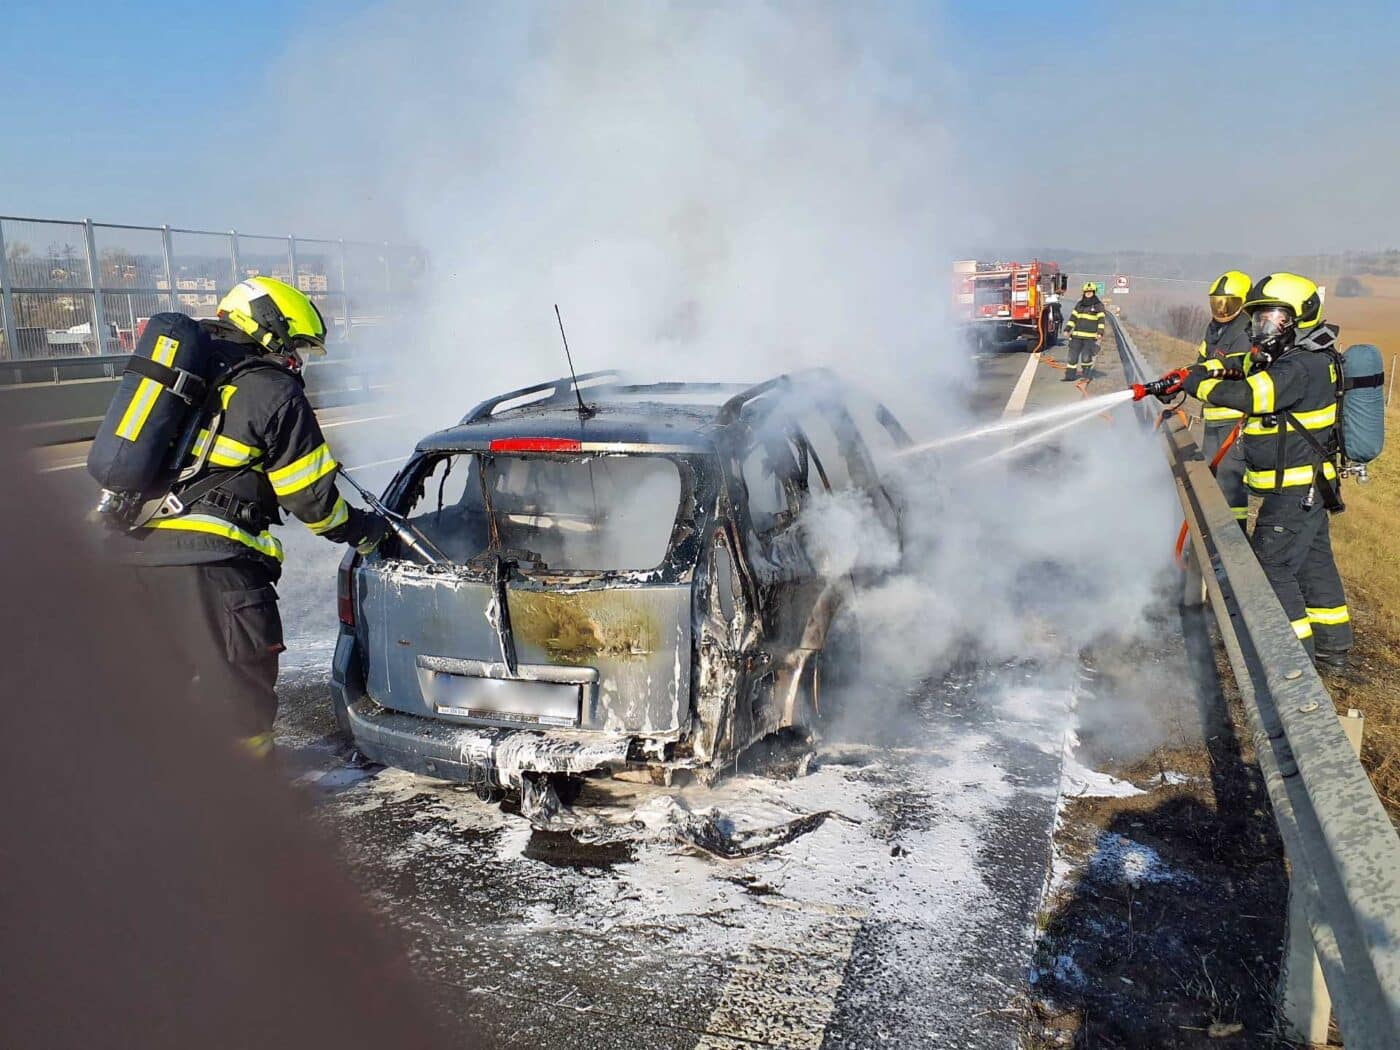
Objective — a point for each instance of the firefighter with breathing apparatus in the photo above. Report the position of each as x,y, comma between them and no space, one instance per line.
1084,331
1293,444
209,436
1226,346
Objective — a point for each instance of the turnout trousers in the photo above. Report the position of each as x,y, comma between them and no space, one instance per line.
1230,473
1081,356
1294,547
226,631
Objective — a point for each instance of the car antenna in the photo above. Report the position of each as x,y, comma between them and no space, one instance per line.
584,412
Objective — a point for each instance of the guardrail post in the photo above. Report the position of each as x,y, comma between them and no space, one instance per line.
233,255
99,311
344,292
7,300
167,250
1193,584
1307,1005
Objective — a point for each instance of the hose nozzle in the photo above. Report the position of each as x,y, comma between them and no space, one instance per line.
1162,388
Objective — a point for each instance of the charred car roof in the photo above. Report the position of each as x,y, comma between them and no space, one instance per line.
621,416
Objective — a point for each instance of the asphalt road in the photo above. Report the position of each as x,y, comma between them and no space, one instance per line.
905,919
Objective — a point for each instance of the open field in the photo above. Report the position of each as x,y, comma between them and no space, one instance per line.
1364,541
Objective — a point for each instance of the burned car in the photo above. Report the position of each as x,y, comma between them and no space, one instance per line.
626,589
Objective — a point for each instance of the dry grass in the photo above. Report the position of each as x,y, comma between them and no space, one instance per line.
1363,540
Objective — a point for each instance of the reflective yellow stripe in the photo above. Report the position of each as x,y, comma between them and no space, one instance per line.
226,393
147,392
1218,413
164,352
1204,388
1263,386
1319,419
134,418
263,543
306,471
1240,513
227,452
1213,364
339,515
1330,617
1302,628
259,746
1265,480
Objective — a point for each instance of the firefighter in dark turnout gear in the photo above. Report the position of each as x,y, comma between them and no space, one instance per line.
1084,331
211,570
1226,347
1289,400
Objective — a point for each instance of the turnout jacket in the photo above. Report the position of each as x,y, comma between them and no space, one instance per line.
268,423
1086,320
1302,383
1228,343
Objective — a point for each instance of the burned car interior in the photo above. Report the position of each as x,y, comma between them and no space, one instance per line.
627,589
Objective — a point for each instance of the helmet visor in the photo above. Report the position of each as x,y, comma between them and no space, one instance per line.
1225,307
1267,323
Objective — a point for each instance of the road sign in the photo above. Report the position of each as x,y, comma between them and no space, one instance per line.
1098,289
1120,284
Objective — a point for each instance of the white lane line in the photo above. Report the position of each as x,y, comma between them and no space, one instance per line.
63,466
785,995
1022,390
362,419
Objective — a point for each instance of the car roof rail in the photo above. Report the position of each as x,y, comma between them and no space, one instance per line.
561,389
730,410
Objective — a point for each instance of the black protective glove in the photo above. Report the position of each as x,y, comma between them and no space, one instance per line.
365,530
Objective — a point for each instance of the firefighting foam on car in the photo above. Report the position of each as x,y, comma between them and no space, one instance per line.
623,587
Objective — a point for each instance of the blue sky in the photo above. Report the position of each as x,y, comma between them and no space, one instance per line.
1099,125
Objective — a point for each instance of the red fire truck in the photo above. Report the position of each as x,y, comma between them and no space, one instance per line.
997,303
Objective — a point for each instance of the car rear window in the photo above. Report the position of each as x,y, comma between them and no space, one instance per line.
572,513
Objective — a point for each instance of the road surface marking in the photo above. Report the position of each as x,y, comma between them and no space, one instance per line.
376,463
782,996
1022,390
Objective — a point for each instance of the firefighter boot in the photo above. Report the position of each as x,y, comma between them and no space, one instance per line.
1071,374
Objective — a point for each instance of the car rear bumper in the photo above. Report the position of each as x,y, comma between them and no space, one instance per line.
467,754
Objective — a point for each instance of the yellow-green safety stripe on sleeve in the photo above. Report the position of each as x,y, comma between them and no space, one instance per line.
227,452
263,543
303,472
1267,480
338,516
1205,387
1302,628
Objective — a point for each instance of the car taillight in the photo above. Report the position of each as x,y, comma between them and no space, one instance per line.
345,588
536,444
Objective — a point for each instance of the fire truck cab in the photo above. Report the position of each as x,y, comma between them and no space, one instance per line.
998,303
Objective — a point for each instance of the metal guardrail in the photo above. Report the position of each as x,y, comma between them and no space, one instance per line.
1343,852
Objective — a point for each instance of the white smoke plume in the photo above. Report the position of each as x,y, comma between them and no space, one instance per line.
725,192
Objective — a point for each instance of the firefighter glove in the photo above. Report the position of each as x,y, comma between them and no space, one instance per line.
367,530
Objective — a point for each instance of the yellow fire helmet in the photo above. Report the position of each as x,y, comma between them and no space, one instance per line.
277,315
1089,286
1227,295
1287,289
